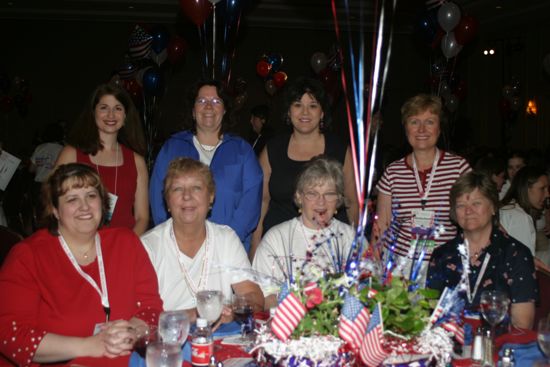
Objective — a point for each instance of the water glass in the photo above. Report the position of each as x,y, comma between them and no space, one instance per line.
173,327
210,305
160,354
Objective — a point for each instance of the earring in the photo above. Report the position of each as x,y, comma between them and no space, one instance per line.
336,212
300,210
322,124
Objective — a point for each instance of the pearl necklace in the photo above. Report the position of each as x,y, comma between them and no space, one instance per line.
203,279
207,148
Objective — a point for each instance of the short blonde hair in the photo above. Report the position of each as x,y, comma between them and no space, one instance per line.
421,103
184,166
319,170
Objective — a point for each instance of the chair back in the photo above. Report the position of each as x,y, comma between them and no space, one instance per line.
8,238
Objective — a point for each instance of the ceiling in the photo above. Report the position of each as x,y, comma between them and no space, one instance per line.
290,14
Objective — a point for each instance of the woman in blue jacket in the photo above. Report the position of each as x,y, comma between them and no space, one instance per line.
230,158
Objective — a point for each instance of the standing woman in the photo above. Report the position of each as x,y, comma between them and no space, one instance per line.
108,137
308,111
230,158
414,190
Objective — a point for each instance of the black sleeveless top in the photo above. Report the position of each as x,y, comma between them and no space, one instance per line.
284,173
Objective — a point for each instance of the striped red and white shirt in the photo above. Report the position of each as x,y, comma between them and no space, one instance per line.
399,182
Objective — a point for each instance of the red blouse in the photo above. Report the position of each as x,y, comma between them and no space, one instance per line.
121,181
43,293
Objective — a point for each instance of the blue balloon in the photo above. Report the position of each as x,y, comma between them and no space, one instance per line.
276,60
160,39
153,82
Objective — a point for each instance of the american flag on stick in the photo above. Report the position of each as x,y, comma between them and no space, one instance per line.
354,319
372,351
288,315
439,316
139,43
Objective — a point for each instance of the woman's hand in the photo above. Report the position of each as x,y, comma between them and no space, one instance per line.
118,338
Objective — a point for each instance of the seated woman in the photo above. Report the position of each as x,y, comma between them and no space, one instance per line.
495,260
523,204
283,249
62,287
190,253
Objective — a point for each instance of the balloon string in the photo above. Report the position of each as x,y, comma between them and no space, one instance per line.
214,41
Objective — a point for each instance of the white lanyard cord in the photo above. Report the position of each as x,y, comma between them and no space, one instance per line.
103,293
471,296
424,194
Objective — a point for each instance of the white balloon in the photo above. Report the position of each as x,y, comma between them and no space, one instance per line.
444,89
449,46
318,62
448,16
452,103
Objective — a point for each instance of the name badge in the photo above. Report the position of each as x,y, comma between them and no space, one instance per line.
422,219
112,204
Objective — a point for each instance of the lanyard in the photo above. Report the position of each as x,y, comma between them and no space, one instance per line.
424,194
472,296
103,294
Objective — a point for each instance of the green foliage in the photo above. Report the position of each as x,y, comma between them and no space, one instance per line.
404,313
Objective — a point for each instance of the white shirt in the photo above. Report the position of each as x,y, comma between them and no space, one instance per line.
287,243
519,225
227,263
44,157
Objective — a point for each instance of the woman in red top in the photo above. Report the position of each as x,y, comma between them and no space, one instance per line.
73,294
108,137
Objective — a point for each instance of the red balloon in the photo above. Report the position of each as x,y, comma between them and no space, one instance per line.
279,79
466,29
6,104
176,49
263,68
134,89
196,10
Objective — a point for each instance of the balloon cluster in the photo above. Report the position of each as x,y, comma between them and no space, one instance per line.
510,103
448,28
327,69
149,48
14,93
269,68
451,87
238,90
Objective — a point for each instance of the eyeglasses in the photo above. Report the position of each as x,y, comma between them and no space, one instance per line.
329,197
213,101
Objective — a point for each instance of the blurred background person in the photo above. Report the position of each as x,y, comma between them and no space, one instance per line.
319,191
230,158
516,160
494,168
259,117
76,293
191,253
495,260
307,111
108,136
413,192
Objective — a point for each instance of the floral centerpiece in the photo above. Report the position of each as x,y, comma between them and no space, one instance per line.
352,312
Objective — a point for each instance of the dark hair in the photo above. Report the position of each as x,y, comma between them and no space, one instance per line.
490,166
519,189
261,111
183,166
227,120
84,134
315,89
467,183
64,178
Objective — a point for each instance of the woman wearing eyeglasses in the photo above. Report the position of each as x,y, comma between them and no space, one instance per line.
230,158
314,235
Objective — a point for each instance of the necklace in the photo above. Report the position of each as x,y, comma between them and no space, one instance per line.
207,148
203,278
424,193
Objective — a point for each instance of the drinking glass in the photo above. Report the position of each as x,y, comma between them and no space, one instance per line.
173,327
543,337
494,308
210,305
160,354
243,313
145,336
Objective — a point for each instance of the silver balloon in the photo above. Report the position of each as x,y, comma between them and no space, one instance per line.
318,62
449,46
444,89
448,16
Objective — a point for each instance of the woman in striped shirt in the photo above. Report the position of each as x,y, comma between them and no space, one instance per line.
413,193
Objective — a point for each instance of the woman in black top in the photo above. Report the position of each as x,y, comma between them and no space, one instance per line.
308,111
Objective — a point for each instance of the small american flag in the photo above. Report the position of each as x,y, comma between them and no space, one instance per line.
372,352
439,315
288,315
139,43
353,321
